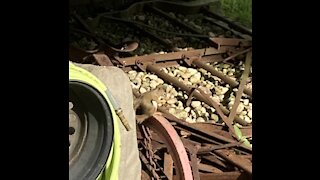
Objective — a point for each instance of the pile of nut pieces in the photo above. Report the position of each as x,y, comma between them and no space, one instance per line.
198,111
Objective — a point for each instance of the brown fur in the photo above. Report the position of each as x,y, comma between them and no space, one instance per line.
143,104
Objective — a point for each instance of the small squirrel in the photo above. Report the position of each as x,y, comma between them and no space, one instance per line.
144,106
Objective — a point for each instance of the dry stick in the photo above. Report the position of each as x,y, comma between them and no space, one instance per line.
193,90
241,87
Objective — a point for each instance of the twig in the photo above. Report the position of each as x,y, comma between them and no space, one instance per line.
241,87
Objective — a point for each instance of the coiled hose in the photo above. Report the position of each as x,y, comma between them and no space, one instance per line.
112,167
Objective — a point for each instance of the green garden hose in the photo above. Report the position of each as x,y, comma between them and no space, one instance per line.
112,167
